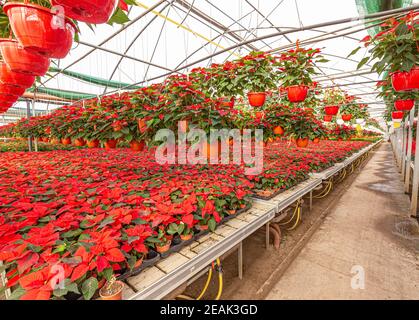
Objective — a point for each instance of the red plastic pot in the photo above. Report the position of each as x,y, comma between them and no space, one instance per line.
93,143
11,90
278,130
346,117
397,115
66,141
226,102
90,11
111,144
302,142
331,110
137,145
7,98
256,99
297,93
21,60
39,30
327,118
404,105
17,79
79,142
413,79
400,81
6,105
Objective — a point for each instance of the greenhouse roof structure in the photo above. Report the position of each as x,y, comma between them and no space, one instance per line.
174,36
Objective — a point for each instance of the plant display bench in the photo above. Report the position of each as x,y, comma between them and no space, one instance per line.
168,274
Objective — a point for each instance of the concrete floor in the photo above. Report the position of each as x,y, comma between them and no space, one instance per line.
368,233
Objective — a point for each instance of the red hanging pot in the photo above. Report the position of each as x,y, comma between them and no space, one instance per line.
404,105
346,117
413,79
111,144
400,81
6,105
39,30
8,98
11,90
226,102
297,93
21,60
328,118
93,143
302,142
79,142
17,79
397,115
137,145
66,141
90,11
331,110
256,99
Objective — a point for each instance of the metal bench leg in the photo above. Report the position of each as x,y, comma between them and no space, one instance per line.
311,200
240,260
267,236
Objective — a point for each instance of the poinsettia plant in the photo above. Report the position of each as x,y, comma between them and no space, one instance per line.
395,47
297,66
256,73
333,96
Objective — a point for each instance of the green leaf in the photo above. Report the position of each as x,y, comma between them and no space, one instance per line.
353,52
106,221
16,294
89,288
362,62
212,224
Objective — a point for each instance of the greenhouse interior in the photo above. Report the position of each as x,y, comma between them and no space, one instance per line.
209,150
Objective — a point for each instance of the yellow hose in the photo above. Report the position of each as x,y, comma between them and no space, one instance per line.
293,215
325,192
297,220
204,290
206,285
220,280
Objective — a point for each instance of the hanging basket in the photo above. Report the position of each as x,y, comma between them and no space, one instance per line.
256,99
297,93
397,115
90,11
346,117
331,110
37,29
21,60
302,142
327,118
400,81
404,105
413,78
16,79
11,90
8,99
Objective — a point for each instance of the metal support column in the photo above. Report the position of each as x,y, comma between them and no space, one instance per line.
403,149
409,152
240,260
34,139
415,183
311,200
28,115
